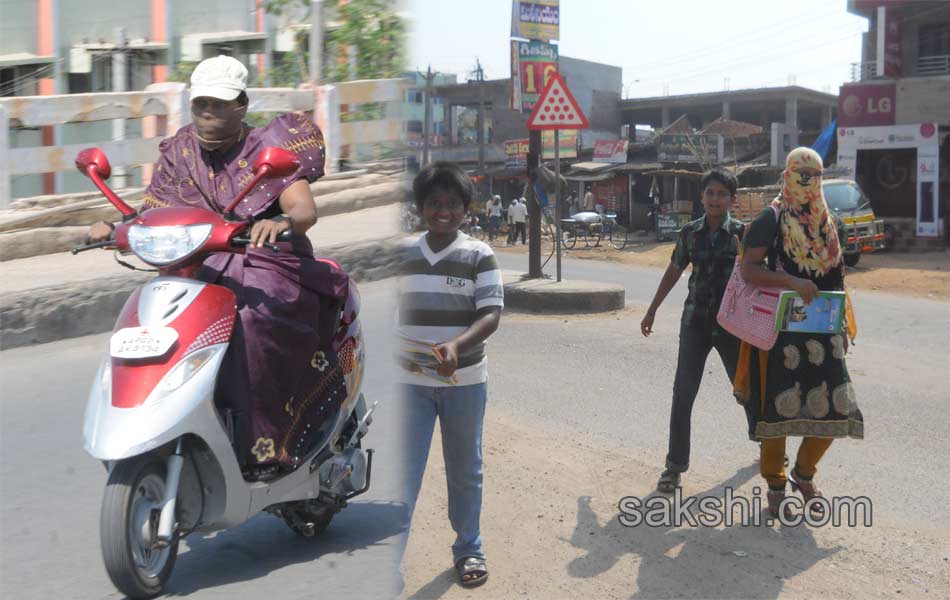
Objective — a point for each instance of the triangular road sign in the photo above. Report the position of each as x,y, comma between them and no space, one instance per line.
557,108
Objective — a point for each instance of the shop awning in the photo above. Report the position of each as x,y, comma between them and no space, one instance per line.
675,172
592,167
637,167
590,177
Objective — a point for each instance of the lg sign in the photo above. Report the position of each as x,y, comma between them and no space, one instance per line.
853,108
867,105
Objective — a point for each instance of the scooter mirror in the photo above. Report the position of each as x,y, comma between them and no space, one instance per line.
94,157
281,162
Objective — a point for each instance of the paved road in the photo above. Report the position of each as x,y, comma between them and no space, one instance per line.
51,492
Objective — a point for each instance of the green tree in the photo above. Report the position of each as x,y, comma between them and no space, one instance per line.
371,27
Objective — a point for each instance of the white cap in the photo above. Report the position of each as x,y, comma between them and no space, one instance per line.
220,77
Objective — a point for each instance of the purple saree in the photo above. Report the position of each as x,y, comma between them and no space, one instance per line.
281,376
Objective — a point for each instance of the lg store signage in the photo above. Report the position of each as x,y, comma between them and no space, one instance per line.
862,105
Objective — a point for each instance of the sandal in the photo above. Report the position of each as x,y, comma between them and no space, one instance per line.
472,571
808,491
775,498
669,481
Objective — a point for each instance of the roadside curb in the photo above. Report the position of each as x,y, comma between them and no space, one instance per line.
55,312
547,296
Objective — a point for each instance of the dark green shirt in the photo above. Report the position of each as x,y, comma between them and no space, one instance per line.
712,254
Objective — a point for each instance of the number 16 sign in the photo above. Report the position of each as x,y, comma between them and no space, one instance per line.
532,65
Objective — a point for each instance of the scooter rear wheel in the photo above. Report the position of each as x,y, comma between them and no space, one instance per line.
128,525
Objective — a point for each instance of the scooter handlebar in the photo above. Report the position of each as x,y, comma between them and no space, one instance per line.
93,246
241,240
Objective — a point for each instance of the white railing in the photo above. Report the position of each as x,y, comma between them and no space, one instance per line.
170,100
933,65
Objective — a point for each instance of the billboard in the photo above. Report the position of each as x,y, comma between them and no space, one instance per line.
536,20
680,147
567,144
516,153
867,104
610,151
532,64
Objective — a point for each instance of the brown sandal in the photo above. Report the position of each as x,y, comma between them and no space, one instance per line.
775,498
808,491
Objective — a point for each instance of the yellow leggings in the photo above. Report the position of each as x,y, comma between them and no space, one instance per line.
772,459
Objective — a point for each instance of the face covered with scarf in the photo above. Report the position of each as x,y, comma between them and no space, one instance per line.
809,232
219,123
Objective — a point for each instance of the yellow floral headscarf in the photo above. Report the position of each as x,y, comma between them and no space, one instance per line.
809,233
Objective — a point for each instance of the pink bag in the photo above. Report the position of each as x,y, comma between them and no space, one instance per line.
748,311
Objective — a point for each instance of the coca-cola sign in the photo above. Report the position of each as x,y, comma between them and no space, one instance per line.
867,104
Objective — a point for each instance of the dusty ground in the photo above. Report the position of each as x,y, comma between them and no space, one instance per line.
923,275
545,542
558,461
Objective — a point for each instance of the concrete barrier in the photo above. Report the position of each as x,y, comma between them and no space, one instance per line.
55,312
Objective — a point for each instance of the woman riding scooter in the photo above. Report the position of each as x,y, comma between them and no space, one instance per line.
281,375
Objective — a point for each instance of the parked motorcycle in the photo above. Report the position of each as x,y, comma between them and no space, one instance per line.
151,415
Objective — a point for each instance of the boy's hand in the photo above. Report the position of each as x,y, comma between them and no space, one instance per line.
646,325
450,358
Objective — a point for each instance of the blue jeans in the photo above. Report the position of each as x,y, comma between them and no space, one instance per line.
461,411
494,224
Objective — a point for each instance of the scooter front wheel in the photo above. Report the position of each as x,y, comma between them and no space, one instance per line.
131,505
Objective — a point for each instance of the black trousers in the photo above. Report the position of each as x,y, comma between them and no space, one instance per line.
520,228
696,340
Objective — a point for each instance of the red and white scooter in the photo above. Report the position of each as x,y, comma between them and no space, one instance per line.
151,416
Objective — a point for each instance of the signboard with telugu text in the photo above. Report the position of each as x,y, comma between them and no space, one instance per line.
532,64
536,19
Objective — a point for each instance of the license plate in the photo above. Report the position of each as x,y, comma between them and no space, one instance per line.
142,342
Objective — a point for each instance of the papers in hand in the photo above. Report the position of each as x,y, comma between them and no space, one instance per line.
423,357
825,314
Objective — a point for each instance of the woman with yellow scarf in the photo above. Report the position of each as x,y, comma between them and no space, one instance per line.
801,386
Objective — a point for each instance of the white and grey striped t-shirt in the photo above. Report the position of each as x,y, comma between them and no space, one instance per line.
439,295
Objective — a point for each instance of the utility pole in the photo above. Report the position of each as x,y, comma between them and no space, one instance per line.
427,122
534,208
120,75
480,78
316,41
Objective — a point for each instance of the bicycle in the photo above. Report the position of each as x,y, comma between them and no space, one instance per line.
592,230
609,228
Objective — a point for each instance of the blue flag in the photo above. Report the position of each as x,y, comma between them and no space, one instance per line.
541,194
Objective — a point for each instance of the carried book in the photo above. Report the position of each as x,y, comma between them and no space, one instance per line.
423,357
825,314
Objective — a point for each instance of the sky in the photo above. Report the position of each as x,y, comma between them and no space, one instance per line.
663,46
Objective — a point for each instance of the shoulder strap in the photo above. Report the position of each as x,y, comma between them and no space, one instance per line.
773,247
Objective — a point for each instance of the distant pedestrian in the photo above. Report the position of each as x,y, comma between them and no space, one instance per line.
518,215
494,216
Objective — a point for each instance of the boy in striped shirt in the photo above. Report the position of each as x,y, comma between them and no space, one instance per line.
451,296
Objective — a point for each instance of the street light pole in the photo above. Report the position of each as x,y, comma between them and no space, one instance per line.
427,119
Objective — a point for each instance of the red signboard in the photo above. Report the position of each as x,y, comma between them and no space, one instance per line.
867,104
892,43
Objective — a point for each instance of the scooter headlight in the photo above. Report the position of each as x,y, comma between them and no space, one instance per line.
186,369
166,244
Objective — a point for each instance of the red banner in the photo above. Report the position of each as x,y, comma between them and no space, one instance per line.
892,43
867,104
